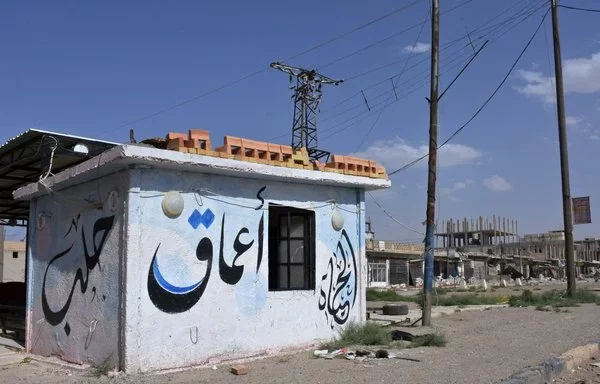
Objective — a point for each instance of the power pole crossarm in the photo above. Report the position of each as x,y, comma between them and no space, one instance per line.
295,71
564,154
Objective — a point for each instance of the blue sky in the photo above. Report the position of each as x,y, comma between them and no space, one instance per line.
88,68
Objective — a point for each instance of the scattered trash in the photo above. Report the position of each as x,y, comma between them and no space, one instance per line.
350,356
335,353
382,354
321,352
361,358
401,335
596,365
214,367
362,352
239,370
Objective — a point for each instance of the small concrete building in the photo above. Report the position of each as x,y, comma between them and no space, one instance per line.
154,259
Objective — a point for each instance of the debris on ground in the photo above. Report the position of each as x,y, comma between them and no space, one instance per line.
337,352
402,335
362,355
239,370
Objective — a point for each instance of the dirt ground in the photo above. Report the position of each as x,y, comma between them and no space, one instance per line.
483,347
513,290
586,373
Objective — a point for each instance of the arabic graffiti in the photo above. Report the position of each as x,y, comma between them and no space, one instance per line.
172,299
339,283
101,229
259,197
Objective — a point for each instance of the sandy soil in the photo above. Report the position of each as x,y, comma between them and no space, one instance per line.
586,373
483,347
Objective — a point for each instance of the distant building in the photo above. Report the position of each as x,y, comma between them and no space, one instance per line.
540,237
12,262
478,248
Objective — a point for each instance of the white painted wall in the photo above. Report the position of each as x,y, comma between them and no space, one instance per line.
243,319
75,242
11,268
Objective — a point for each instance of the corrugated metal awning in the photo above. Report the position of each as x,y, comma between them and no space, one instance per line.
25,157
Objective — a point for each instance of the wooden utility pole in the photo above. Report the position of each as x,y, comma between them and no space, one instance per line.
564,154
432,165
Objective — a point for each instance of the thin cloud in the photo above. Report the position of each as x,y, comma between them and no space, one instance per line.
417,48
573,120
581,75
497,184
457,186
396,153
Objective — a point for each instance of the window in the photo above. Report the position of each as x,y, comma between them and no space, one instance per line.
291,248
15,255
377,271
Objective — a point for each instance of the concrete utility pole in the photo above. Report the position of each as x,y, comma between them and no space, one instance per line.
432,166
564,154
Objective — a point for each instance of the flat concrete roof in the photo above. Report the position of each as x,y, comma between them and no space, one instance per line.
124,156
14,246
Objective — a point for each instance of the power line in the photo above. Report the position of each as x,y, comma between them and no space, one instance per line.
258,71
525,13
494,32
548,55
392,217
580,9
366,136
463,69
344,128
485,103
389,37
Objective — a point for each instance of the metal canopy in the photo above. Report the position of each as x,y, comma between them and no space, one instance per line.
24,158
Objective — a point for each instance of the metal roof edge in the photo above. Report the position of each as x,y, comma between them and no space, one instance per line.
73,136
123,156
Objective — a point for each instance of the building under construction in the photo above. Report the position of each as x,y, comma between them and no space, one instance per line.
481,248
481,232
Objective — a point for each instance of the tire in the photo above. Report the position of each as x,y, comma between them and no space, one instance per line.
395,309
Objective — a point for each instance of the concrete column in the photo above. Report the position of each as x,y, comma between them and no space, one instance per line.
494,227
481,233
466,231
387,272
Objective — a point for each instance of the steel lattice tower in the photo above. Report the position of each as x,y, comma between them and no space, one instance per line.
307,97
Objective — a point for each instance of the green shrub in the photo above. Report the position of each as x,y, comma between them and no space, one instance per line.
553,298
356,334
431,340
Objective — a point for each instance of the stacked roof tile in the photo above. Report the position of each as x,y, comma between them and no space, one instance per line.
198,142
